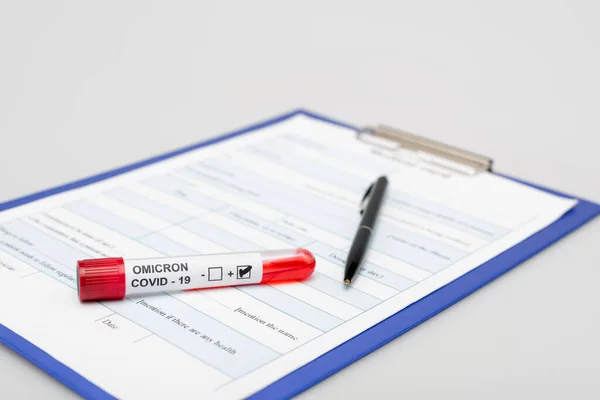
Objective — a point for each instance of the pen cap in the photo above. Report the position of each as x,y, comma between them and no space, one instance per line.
287,265
101,278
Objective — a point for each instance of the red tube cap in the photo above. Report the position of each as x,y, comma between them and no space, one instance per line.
102,278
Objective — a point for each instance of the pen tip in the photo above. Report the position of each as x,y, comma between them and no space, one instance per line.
346,282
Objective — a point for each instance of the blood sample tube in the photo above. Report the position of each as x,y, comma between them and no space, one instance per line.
115,278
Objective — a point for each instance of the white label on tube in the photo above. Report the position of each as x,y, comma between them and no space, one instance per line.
144,275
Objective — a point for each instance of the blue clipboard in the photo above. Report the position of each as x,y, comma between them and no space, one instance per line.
355,348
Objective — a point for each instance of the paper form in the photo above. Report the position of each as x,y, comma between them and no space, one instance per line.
297,183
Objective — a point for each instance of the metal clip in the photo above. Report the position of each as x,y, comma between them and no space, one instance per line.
443,155
365,199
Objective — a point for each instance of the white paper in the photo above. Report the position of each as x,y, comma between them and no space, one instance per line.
294,184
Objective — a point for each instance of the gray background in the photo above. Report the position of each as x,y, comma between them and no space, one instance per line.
86,87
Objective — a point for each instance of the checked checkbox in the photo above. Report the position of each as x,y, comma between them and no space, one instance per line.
244,271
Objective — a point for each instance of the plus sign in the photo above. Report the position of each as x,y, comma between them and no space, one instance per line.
230,274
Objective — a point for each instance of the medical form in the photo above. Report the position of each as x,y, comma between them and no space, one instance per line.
297,183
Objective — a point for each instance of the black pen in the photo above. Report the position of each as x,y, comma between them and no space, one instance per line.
369,208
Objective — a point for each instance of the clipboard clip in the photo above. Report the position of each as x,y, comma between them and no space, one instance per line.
428,150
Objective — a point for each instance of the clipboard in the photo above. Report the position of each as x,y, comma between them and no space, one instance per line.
379,334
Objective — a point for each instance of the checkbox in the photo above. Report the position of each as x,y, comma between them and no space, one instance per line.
244,271
215,273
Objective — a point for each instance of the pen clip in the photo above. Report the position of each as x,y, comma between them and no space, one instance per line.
364,201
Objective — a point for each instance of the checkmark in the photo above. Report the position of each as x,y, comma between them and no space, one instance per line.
244,271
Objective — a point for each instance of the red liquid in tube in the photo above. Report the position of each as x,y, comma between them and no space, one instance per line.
287,265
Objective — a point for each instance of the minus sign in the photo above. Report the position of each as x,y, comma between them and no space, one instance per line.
202,274
172,281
